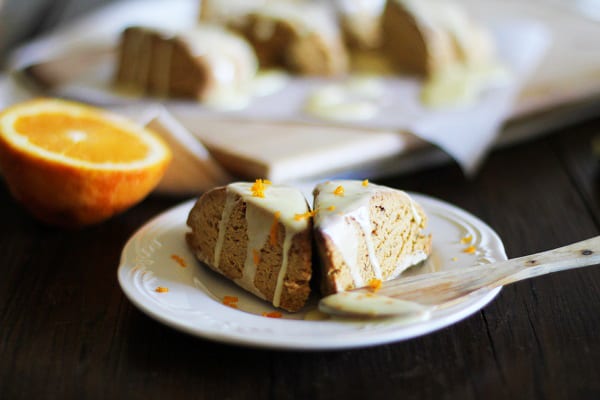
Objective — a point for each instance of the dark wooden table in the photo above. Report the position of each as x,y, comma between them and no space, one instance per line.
67,330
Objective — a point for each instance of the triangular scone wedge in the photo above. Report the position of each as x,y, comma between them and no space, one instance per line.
429,37
259,236
365,231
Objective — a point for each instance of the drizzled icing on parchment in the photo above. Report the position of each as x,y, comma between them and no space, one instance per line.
260,212
334,212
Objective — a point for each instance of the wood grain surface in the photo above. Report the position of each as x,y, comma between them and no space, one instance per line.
67,331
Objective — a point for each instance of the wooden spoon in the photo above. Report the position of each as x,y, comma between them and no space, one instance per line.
423,294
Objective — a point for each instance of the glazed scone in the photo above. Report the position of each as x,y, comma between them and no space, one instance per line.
303,38
228,12
201,63
259,236
425,37
361,22
365,231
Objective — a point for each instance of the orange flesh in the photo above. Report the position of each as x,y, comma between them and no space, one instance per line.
83,138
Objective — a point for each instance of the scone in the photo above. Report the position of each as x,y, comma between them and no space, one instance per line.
361,22
200,63
259,236
426,37
303,38
364,231
228,12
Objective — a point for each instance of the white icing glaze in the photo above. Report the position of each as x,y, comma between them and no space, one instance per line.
227,99
260,213
474,67
435,14
368,7
447,18
364,220
361,20
356,99
224,11
268,82
367,304
367,86
231,62
258,234
408,261
459,85
354,205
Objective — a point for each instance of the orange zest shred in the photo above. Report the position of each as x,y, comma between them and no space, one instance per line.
339,191
306,215
161,289
331,208
454,259
230,301
256,256
470,250
374,284
274,229
466,240
179,260
259,187
272,314
365,183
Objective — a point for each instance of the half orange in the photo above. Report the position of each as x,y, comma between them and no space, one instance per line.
73,165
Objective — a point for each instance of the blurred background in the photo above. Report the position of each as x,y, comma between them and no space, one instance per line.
565,87
22,20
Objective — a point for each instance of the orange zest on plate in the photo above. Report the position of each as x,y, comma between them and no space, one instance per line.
470,250
231,301
179,260
466,240
73,165
272,314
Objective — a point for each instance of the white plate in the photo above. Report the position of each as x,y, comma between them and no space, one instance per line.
193,303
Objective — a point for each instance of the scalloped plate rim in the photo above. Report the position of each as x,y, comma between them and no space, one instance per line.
354,337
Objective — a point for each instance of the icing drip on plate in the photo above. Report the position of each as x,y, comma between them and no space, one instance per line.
356,99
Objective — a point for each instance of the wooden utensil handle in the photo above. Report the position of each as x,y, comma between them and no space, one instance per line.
576,255
444,286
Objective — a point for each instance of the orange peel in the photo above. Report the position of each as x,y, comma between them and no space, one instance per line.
73,165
